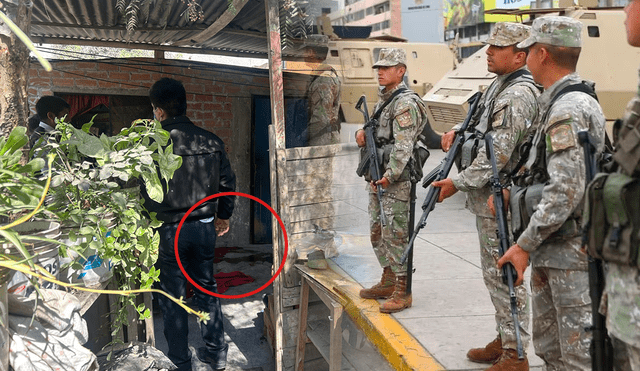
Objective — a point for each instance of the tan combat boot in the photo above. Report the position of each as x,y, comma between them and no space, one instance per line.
489,354
382,289
509,361
399,300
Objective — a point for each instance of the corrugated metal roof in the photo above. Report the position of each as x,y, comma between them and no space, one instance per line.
160,26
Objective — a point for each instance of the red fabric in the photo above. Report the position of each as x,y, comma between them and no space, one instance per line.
226,280
83,103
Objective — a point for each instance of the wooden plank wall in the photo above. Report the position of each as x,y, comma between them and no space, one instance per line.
321,189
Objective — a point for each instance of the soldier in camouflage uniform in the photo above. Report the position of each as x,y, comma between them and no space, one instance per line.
508,111
559,278
399,126
323,95
622,283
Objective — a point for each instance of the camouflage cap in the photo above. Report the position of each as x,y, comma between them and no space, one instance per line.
391,57
557,31
508,33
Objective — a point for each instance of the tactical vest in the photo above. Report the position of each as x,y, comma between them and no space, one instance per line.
526,193
385,139
612,212
481,122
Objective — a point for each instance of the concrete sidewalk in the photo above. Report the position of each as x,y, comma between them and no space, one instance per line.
451,311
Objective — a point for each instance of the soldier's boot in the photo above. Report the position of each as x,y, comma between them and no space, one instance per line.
382,289
489,354
509,361
399,300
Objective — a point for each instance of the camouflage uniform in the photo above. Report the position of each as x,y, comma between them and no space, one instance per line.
622,292
559,278
509,114
399,126
323,95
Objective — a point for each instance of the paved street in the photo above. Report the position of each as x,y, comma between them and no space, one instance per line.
451,311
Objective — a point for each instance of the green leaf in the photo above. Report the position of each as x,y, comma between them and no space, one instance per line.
91,146
32,166
14,238
153,186
87,127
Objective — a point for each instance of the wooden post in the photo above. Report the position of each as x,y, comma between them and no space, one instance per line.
14,66
277,163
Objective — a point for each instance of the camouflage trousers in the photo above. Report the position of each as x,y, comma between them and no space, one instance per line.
498,290
626,357
389,241
561,313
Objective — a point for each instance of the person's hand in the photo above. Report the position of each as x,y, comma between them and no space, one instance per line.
384,182
222,226
447,189
519,258
447,140
505,196
361,140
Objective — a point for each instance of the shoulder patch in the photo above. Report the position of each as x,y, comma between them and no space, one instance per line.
558,118
561,137
404,119
403,105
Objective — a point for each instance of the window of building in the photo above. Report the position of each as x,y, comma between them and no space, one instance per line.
370,10
484,28
381,8
385,24
358,15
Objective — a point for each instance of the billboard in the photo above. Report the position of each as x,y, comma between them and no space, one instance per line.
506,4
461,13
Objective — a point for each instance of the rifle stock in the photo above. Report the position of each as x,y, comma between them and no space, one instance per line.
508,271
601,349
371,156
446,165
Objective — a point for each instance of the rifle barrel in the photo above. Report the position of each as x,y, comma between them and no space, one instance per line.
508,269
444,168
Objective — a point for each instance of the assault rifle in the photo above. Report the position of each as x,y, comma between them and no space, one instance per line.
509,274
432,196
601,349
371,156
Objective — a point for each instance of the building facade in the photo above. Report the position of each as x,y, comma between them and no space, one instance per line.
422,21
384,16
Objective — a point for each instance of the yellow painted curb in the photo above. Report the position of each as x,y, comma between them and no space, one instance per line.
391,339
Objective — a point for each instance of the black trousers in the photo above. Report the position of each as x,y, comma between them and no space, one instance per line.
196,245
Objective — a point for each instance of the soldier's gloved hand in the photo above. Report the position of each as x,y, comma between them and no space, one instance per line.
505,196
519,258
447,140
361,140
447,189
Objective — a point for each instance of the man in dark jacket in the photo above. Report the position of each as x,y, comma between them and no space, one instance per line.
205,171
49,109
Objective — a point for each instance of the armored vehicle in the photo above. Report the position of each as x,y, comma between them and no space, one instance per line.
606,59
353,60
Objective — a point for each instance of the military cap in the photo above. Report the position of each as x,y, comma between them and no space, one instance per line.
557,31
391,57
508,33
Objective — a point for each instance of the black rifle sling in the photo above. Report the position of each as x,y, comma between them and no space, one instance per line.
582,88
386,103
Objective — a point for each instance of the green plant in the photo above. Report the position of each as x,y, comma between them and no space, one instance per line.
95,194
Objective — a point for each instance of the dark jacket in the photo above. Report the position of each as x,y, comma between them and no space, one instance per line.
205,171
